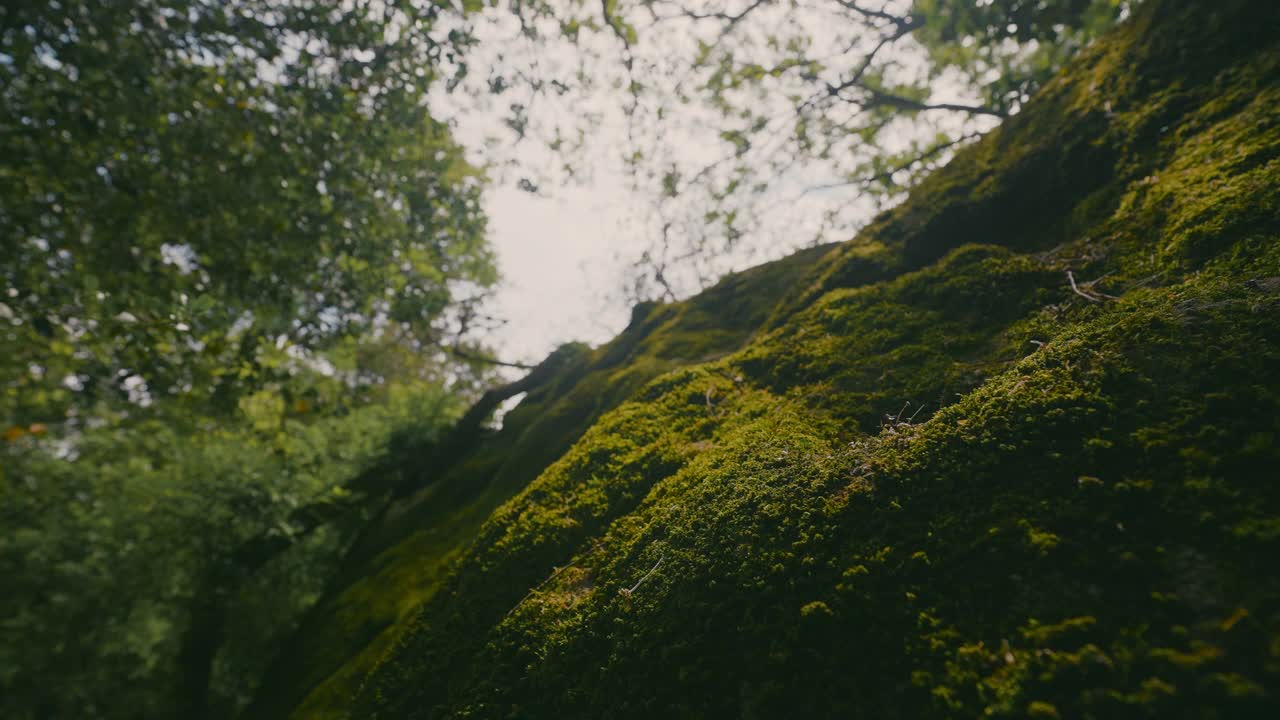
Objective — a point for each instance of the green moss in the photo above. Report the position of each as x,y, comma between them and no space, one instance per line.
940,482
405,553
907,346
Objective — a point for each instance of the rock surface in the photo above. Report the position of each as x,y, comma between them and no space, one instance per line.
1010,452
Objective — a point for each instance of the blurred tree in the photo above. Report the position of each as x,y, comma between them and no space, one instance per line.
237,254
186,186
152,571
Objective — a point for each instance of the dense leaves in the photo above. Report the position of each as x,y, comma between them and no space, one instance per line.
185,182
108,554
234,247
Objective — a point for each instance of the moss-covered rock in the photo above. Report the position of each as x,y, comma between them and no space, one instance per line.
405,554
1011,452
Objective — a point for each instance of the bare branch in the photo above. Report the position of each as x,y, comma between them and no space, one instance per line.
897,20
1076,289
881,98
633,588
461,354
890,172
730,19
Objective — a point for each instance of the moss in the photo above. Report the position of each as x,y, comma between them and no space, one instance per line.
779,571
918,475
404,555
906,346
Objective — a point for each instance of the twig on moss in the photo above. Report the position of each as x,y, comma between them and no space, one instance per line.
538,587
1147,280
1076,289
1089,286
905,405
628,591
914,414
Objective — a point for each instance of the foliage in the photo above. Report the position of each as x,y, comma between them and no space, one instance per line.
236,254
108,544
188,188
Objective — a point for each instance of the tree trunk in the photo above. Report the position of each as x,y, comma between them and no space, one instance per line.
199,647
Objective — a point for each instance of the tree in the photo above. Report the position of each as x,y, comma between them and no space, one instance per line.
239,259
188,187
155,574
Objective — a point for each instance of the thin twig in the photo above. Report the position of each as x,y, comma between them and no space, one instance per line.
539,586
1078,291
632,589
1148,279
904,409
914,414
1089,286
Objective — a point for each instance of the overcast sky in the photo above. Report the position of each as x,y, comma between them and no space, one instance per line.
557,257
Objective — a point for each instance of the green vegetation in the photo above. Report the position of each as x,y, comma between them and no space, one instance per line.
121,558
406,554
1005,454
234,247
1009,452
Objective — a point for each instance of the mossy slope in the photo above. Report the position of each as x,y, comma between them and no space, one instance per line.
403,556
1011,452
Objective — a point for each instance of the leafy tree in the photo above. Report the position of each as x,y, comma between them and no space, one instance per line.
187,185
155,573
239,260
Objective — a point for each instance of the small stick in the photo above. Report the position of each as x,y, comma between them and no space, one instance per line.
914,414
632,589
535,590
1099,293
1147,279
1078,291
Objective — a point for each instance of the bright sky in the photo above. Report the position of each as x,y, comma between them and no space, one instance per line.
557,256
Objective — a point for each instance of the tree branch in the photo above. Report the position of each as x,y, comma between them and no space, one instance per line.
880,98
877,97
729,19
898,20
461,354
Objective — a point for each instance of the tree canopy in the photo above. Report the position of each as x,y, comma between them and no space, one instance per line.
236,249
188,187
745,124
